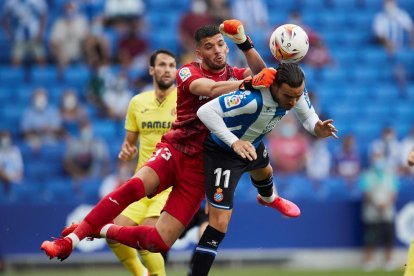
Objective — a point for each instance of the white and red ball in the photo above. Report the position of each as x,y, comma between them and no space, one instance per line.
289,43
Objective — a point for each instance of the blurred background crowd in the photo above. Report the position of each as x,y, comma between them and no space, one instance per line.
68,69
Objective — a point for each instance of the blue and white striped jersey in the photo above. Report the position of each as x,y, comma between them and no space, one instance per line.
249,115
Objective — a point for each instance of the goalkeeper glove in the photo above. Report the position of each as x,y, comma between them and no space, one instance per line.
262,80
234,30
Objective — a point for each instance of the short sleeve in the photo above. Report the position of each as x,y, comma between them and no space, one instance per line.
239,72
130,120
186,75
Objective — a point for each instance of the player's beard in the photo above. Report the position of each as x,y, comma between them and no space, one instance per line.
214,66
164,85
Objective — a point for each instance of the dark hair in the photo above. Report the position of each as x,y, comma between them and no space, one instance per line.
160,51
205,31
291,74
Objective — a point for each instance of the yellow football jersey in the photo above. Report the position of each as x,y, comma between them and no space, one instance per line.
151,120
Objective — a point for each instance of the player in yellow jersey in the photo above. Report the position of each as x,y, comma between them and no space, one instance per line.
409,269
150,115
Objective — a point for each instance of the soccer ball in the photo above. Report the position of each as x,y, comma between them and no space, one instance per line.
289,43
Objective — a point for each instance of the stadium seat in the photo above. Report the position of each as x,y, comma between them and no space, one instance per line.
297,187
104,129
11,76
333,189
44,75
76,75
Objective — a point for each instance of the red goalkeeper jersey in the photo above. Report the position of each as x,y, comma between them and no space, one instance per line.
187,133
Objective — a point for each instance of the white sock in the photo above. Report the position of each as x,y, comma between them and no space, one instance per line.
105,229
74,238
269,199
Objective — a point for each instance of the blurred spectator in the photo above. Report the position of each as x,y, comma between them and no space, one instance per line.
288,147
390,25
101,79
389,144
133,49
67,35
72,112
407,144
96,46
24,23
219,10
379,185
347,162
123,11
41,123
256,18
123,173
189,23
318,160
86,155
11,162
255,22
116,99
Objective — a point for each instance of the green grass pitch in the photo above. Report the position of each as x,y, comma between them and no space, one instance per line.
180,271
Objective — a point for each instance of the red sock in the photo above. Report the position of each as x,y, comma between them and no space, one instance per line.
110,207
139,237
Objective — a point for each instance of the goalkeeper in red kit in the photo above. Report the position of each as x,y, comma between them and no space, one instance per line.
178,159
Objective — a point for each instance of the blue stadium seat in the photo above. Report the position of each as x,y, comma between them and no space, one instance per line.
345,56
89,189
6,95
104,129
11,75
335,75
164,40
27,192
364,74
375,56
332,21
297,187
333,189
60,190
406,189
76,75
44,75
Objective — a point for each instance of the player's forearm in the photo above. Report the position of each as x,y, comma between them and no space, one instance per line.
212,89
311,123
254,60
213,120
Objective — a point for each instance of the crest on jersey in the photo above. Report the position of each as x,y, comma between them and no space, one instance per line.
218,195
184,73
174,112
232,100
272,124
265,152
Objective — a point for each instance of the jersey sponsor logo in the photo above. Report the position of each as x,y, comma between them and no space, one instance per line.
218,195
155,124
144,110
272,124
184,73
